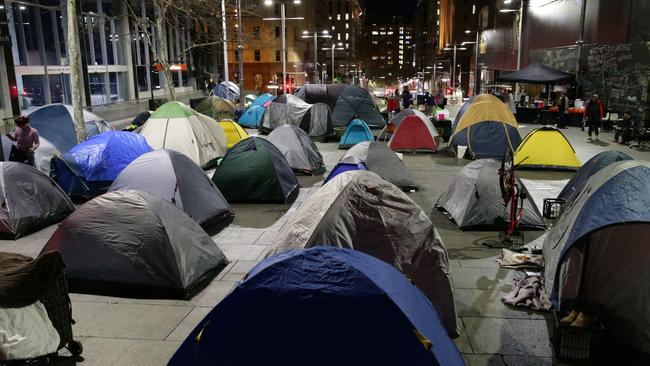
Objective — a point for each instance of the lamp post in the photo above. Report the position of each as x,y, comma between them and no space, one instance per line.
283,19
453,64
325,34
334,48
225,42
522,5
240,49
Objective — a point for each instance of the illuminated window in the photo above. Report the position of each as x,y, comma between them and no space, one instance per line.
374,57
374,33
338,16
347,16
347,36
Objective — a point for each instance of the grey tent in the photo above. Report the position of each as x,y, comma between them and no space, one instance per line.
291,110
359,210
177,179
473,199
299,150
379,159
134,244
596,254
29,200
354,100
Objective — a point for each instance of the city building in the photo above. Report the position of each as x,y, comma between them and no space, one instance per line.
388,51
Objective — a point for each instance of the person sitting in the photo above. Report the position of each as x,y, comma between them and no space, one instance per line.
624,128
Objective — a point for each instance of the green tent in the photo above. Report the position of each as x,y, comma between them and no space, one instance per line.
254,170
217,108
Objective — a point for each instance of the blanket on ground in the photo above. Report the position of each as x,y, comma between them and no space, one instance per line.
515,260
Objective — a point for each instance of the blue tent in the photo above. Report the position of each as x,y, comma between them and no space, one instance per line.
262,99
590,168
342,167
356,132
321,306
54,123
252,117
88,169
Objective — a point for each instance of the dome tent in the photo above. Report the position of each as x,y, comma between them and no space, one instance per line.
473,200
344,101
487,127
88,169
55,123
546,148
175,126
234,132
591,167
359,308
216,107
254,170
345,166
379,159
356,132
252,117
175,178
29,200
263,100
414,134
596,254
249,99
289,109
361,211
134,244
226,90
397,119
299,150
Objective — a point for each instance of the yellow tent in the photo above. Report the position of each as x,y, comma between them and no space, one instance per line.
546,148
234,132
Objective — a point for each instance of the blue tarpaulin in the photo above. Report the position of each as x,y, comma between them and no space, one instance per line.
344,167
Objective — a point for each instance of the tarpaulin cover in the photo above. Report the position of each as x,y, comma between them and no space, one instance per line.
54,122
378,158
356,132
414,134
299,150
29,200
175,178
234,132
361,211
321,306
354,100
591,167
176,126
252,117
134,244
217,108
263,99
255,170
546,148
473,200
536,73
596,255
487,127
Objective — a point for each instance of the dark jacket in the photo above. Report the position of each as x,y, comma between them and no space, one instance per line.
406,98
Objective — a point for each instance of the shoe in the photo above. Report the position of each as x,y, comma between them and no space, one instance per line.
567,320
589,139
584,320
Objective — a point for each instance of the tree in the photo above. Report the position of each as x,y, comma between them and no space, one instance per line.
75,75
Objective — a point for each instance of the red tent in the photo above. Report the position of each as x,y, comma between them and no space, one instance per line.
414,134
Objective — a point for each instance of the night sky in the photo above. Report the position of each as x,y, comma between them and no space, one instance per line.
390,7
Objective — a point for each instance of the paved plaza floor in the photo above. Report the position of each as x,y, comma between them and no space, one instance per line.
118,331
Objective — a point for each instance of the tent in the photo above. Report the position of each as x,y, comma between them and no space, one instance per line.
342,167
263,100
216,107
88,169
414,134
356,132
596,253
378,158
234,132
345,101
591,167
177,127
361,211
138,121
252,117
299,150
546,148
175,178
322,306
463,109
249,99
289,109
473,200
134,244
29,201
254,170
54,122
42,156
397,119
487,127
536,73
226,90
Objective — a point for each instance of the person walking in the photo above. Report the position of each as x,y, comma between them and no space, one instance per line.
593,115
27,141
406,98
563,110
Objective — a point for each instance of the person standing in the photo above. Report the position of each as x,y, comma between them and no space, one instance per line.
563,110
593,115
429,102
406,97
623,128
27,141
511,102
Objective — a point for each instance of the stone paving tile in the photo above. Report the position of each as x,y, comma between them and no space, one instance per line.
267,238
462,342
237,236
188,324
134,321
508,336
483,360
239,270
484,278
235,252
527,361
487,303
119,300
121,352
211,295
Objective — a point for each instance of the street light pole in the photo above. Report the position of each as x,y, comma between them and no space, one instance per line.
316,78
240,49
477,89
333,45
453,76
521,38
225,41
284,48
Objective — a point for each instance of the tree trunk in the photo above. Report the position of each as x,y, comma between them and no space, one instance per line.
75,76
162,54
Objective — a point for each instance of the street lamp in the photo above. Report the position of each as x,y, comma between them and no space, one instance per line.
325,34
283,20
453,75
333,48
520,26
476,45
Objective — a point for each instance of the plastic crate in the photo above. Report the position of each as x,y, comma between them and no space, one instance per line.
578,345
552,207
